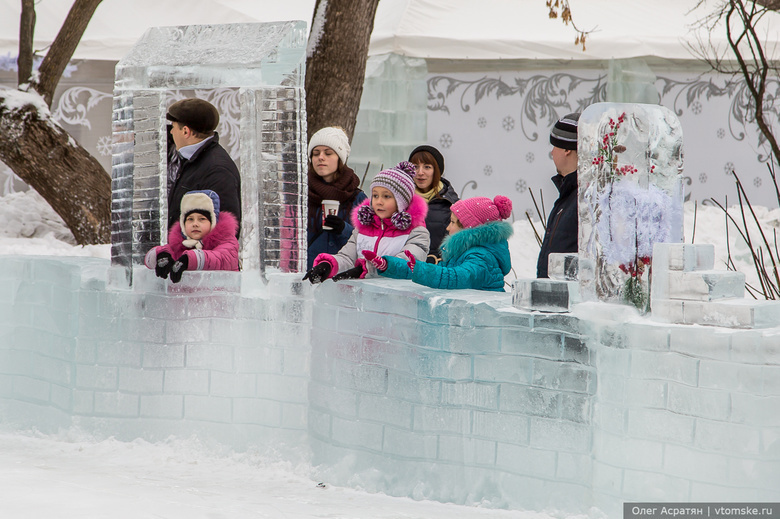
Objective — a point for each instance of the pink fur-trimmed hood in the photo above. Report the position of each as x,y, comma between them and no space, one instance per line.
418,210
225,228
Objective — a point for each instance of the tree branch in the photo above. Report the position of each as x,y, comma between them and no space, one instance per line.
26,32
63,47
755,77
565,13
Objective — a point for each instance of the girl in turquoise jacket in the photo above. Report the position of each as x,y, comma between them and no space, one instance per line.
474,255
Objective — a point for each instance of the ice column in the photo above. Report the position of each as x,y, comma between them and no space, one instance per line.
630,197
264,64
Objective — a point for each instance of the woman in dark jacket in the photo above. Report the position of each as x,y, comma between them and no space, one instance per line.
330,179
437,191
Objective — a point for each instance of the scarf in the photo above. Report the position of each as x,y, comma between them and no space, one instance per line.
429,195
192,244
342,189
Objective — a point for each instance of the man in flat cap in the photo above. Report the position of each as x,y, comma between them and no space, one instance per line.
562,229
202,162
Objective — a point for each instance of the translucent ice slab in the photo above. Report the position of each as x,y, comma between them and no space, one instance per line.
630,196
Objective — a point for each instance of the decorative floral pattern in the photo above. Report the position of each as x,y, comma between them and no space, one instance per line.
544,97
717,103
75,103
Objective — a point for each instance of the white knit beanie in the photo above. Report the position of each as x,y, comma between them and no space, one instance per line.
334,138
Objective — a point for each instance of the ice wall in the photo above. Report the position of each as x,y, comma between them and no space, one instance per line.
265,63
392,120
450,395
220,355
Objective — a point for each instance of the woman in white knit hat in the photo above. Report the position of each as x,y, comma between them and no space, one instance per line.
330,179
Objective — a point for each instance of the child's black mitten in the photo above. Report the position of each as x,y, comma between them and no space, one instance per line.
178,268
163,265
319,273
353,273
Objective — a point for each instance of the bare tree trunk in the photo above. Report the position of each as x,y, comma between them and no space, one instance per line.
64,46
336,65
44,156
26,33
40,152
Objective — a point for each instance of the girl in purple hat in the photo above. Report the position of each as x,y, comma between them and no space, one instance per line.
474,255
390,223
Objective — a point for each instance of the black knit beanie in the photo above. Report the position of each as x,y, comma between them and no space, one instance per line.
437,156
564,132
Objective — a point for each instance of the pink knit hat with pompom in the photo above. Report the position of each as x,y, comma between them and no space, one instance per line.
478,210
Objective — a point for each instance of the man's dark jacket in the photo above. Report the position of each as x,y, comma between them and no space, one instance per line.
209,168
562,231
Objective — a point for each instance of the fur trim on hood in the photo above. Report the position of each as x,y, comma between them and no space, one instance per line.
203,201
486,234
225,228
418,210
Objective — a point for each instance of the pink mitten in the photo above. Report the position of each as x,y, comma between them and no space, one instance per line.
379,262
412,260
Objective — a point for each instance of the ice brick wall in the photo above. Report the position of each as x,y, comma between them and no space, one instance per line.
465,397
456,396
201,357
686,413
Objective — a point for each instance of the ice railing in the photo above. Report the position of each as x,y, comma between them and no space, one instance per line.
265,64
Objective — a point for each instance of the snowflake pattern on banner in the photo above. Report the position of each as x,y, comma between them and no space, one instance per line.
508,123
104,146
488,170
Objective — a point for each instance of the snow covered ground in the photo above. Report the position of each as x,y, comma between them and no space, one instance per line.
72,476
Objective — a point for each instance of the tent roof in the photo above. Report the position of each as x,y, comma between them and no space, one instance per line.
118,24
438,29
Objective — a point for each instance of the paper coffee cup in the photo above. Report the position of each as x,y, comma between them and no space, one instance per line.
329,207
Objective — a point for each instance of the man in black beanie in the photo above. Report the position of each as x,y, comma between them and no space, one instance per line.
202,162
562,229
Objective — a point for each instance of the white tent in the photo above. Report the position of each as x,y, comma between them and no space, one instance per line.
118,24
431,29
